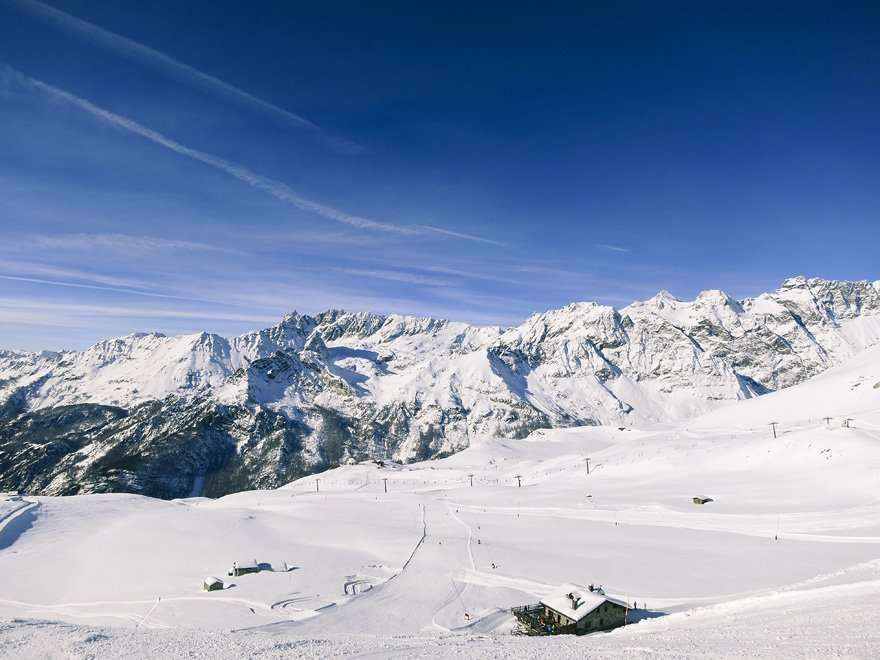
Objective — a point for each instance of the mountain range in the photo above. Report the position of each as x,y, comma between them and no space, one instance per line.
206,415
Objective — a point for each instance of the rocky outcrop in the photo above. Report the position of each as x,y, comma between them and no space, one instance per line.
202,414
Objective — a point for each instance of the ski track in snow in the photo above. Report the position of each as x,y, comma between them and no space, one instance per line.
470,535
783,563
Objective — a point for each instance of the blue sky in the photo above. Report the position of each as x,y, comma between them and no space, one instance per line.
214,165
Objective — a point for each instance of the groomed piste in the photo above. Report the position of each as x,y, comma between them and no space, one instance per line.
426,559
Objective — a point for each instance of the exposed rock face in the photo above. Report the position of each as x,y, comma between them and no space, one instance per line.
201,414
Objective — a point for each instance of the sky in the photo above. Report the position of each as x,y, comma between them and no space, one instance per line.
185,166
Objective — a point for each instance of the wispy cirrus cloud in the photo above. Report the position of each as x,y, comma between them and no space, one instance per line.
14,270
462,235
94,287
39,269
44,312
612,248
273,187
331,238
277,189
125,243
396,276
473,274
506,308
151,57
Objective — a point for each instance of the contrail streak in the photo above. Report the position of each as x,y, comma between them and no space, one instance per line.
146,55
275,188
76,285
459,234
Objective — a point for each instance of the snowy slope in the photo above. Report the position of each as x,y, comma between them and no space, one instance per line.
850,390
341,387
785,562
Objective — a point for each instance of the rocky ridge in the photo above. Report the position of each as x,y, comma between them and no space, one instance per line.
203,414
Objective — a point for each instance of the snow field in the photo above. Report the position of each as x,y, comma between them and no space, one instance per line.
783,563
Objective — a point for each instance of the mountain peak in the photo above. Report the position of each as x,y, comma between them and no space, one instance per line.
345,385
796,282
661,299
716,296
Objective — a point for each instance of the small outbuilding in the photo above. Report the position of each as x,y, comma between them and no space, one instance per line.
212,584
572,610
702,500
243,567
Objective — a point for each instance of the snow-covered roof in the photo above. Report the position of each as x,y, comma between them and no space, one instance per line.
246,563
576,601
213,580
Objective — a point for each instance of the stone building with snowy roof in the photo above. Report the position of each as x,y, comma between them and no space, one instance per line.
212,584
573,610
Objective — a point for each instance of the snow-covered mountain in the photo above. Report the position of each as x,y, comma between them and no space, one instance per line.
173,416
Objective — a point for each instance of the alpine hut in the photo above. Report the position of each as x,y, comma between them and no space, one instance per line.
572,610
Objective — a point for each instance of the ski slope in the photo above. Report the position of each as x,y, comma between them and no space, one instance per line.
784,562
